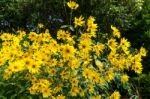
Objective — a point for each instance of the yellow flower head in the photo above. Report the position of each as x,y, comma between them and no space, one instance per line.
33,36
65,75
137,67
115,95
74,63
52,71
112,44
7,73
62,34
84,47
90,89
92,27
79,21
40,25
6,36
81,92
72,5
143,51
68,51
16,66
87,73
33,67
2,61
124,78
60,97
116,32
74,91
26,44
98,48
124,43
97,97
46,92
58,88
74,81
109,75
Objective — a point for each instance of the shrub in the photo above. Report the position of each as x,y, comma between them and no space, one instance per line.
27,13
77,62
142,85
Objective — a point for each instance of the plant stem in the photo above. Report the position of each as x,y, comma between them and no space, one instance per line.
71,16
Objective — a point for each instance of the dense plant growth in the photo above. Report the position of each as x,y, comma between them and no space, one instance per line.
76,62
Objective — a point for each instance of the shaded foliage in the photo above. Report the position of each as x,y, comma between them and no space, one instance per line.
139,34
21,13
142,85
27,13
132,17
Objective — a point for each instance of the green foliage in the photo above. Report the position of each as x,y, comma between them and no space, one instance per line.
143,85
26,14
15,88
139,34
131,16
120,13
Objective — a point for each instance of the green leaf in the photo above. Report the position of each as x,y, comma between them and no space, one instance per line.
64,26
13,96
71,28
3,97
30,97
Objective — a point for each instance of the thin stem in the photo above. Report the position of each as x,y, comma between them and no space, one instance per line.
71,16
65,9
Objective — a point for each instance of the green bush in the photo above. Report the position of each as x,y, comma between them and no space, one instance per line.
26,14
139,34
131,16
142,85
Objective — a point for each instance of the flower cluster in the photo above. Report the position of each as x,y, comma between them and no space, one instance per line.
70,66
